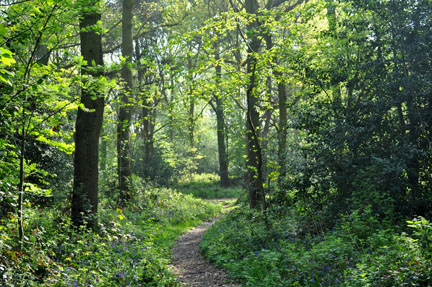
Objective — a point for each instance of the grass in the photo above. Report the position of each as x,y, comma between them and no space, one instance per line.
167,235
206,186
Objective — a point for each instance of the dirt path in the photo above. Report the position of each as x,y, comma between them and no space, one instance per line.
191,268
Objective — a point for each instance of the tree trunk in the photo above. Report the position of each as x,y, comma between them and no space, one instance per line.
170,112
265,132
282,100
21,181
220,125
254,183
148,126
103,150
88,127
192,167
147,117
125,114
413,163
283,118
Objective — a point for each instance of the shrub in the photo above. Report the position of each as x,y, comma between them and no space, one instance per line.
360,251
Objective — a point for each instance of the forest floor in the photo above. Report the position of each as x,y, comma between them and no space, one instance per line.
190,266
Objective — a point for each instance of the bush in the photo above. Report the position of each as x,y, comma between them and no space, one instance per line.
56,254
360,251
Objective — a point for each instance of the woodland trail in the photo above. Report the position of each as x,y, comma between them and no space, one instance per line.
190,266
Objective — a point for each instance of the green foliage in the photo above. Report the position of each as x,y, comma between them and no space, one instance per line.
423,233
360,251
361,113
168,206
131,247
6,60
358,159
393,260
159,168
206,186
58,255
37,100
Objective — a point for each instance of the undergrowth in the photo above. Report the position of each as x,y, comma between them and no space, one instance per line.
130,247
360,251
206,186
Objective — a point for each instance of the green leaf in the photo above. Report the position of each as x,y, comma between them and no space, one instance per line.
6,57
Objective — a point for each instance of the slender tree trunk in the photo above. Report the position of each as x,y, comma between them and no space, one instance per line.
220,125
221,138
170,113
254,181
191,125
143,160
191,131
148,125
413,163
282,100
265,132
103,150
283,119
88,126
254,159
21,182
125,113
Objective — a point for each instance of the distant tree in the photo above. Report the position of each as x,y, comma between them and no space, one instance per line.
220,125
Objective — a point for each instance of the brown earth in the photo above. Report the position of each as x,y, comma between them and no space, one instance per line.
190,266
